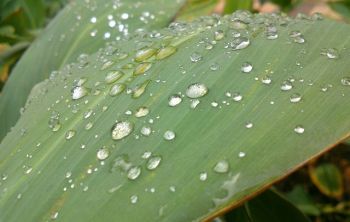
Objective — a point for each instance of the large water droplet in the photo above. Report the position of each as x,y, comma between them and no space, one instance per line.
169,135
141,112
153,162
121,129
196,90
331,53
345,81
113,76
174,100
144,54
222,166
295,98
142,68
79,92
237,97
286,85
134,172
140,89
165,52
146,131
240,43
266,80
116,89
203,176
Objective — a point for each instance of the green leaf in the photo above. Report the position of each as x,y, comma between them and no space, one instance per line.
303,201
232,6
267,207
196,8
69,35
328,179
342,7
80,150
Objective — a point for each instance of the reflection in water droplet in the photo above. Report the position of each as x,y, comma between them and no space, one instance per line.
165,52
121,129
146,131
222,166
240,43
237,97
169,135
102,154
249,125
174,100
134,172
295,98
142,68
70,134
194,103
144,54
331,53
134,199
116,89
299,129
113,76
286,85
196,90
153,162
266,80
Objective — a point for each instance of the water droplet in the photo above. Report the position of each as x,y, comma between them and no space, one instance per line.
54,215
113,76
54,123
299,129
218,35
89,125
169,135
106,65
142,68
222,166
116,89
237,97
146,131
93,20
121,129
102,154
196,90
172,189
241,154
249,125
134,199
214,104
214,66
165,52
246,67
345,81
70,134
297,37
266,80
286,85
141,112
153,162
79,92
295,98
240,43
203,176
196,57
174,100
194,103
140,89
144,54
134,172
331,53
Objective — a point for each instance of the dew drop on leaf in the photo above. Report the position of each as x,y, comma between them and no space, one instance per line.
196,90
240,43
266,80
141,112
142,68
165,52
169,135
102,154
345,81
153,162
134,199
113,76
222,166
299,129
196,57
121,129
174,100
144,54
134,172
116,89
237,97
286,86
218,35
79,92
146,131
246,67
295,98
203,176
70,134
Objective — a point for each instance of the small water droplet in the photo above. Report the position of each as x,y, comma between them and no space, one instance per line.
70,134
286,86
121,129
203,176
169,135
54,215
89,125
142,68
134,199
222,166
146,155
153,162
240,43
214,66
295,98
196,57
266,80
146,131
196,90
106,65
194,103
172,189
237,97
134,172
102,154
141,112
144,54
331,53
174,100
218,35
241,154
299,129
246,67
345,81
249,125
140,89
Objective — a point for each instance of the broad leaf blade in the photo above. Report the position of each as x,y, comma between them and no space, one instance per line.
79,28
45,169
